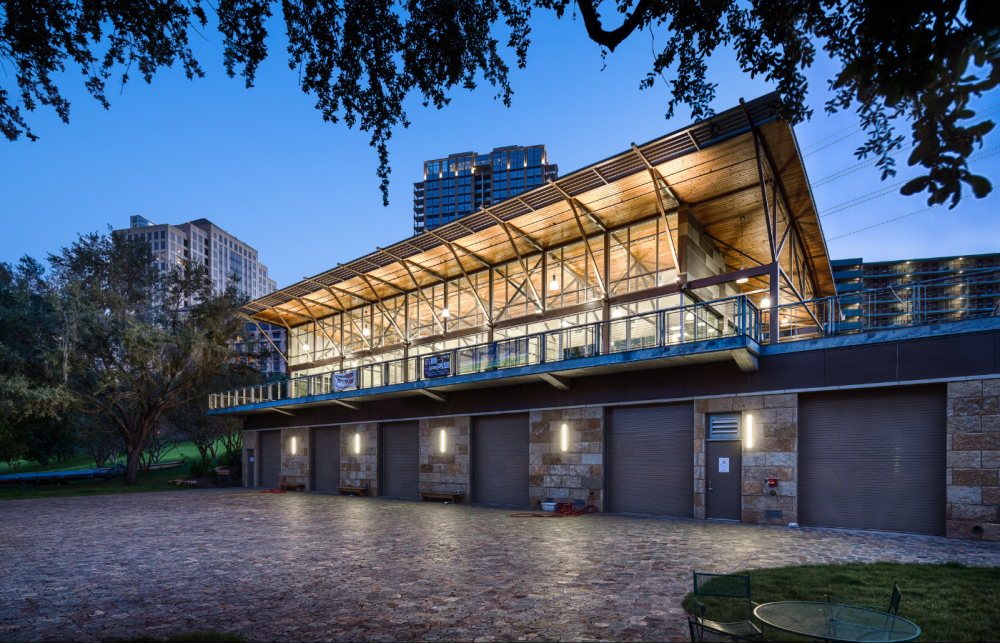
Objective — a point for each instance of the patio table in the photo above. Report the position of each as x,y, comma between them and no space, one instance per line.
832,622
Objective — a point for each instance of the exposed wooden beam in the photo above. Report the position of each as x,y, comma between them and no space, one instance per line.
320,326
590,253
771,234
343,403
437,397
508,225
414,263
739,252
364,276
484,262
561,383
267,337
348,293
799,295
650,168
420,295
600,176
525,203
472,286
693,142
282,411
569,199
527,275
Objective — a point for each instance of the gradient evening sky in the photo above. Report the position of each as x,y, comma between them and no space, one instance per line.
262,164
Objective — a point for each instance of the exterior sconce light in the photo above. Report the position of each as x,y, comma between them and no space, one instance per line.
445,313
766,303
293,446
554,285
357,443
749,431
564,438
444,441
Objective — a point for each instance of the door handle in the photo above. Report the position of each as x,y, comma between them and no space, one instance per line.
710,486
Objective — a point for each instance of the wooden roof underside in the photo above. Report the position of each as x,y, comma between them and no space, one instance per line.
711,166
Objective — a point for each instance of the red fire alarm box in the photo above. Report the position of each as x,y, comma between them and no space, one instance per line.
772,482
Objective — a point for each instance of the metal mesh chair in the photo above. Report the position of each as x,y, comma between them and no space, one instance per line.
703,633
893,602
725,586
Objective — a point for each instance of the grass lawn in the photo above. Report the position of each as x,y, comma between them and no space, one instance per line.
84,461
949,602
155,481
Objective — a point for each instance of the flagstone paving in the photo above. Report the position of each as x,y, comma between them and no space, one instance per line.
319,567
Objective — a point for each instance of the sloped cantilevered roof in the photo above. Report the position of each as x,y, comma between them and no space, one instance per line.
711,166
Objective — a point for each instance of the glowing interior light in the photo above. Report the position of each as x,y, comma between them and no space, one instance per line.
749,431
293,446
617,312
357,443
742,280
445,313
554,285
689,316
444,441
784,320
366,331
766,303
564,438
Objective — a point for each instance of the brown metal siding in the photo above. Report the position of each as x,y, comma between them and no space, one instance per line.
873,459
401,460
326,459
651,460
270,459
501,453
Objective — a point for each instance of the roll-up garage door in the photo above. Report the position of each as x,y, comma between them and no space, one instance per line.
651,460
501,453
873,459
401,460
326,459
270,459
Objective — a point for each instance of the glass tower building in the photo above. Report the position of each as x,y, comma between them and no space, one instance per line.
459,185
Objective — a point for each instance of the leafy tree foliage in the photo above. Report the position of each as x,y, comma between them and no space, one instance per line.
141,344
919,61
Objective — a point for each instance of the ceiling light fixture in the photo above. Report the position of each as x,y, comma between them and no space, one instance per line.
554,284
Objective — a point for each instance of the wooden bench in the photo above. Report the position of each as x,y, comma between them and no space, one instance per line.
352,491
441,495
290,486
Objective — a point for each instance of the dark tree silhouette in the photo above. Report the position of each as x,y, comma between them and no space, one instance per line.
919,61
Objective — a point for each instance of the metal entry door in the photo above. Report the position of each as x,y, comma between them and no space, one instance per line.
874,459
501,452
651,460
401,460
326,459
270,459
723,473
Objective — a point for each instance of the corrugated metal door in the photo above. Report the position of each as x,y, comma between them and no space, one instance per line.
873,459
270,459
401,460
502,466
651,460
326,459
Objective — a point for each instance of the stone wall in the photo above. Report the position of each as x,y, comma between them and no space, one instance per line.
973,466
250,442
577,473
359,469
699,257
448,471
295,467
774,454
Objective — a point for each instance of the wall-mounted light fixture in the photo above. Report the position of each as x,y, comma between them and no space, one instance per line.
357,443
564,438
293,446
444,441
749,431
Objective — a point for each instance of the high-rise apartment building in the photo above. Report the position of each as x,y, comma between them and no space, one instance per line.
950,288
226,258
459,185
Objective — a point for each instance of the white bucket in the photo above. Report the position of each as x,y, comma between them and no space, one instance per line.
548,506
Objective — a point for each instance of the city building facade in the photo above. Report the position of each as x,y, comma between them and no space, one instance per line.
657,333
226,258
456,186
934,289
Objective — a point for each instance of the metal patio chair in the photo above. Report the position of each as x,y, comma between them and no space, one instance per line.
893,602
703,633
725,586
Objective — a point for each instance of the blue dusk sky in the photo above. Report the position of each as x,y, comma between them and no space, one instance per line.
262,164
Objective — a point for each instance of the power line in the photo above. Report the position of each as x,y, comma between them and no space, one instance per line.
809,147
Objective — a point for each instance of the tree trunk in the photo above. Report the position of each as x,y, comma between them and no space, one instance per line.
132,468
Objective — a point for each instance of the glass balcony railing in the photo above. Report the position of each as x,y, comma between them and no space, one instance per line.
733,317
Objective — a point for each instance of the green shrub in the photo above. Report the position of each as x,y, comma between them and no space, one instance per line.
204,468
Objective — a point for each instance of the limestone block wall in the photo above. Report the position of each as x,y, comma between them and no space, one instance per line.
774,454
577,473
700,257
359,469
295,466
973,464
448,471
250,443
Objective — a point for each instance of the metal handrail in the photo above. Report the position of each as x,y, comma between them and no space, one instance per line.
730,317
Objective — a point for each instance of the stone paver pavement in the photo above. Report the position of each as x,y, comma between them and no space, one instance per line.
319,567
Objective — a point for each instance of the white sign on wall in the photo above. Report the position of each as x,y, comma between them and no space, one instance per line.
723,465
